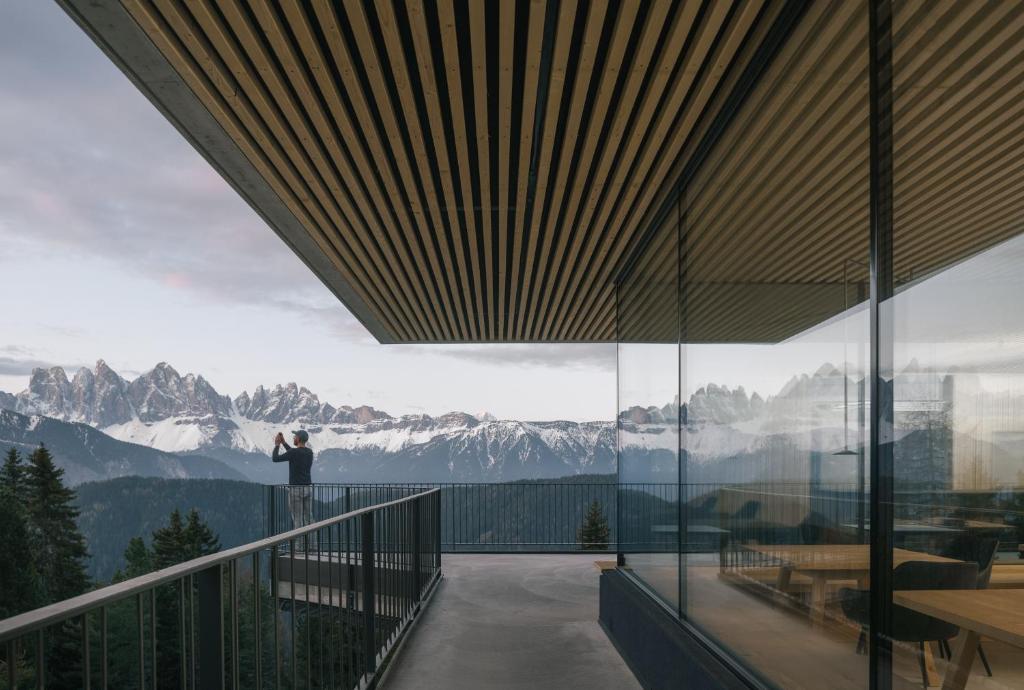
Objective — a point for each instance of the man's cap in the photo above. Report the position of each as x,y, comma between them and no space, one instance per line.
302,434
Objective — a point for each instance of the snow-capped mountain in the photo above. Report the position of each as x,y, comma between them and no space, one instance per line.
178,413
86,454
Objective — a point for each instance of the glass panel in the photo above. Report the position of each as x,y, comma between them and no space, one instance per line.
774,355
958,350
648,423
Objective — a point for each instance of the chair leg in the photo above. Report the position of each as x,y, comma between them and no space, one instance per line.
948,651
942,650
984,660
924,666
861,640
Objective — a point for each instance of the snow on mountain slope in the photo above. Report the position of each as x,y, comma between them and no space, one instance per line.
178,413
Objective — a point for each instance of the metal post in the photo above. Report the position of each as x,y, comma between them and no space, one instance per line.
437,528
369,601
86,666
417,588
211,629
271,511
881,538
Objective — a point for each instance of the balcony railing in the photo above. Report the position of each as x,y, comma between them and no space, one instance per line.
547,517
511,517
318,606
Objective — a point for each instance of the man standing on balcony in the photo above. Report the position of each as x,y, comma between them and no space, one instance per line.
300,483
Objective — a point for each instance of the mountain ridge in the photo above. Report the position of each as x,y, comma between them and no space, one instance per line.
185,414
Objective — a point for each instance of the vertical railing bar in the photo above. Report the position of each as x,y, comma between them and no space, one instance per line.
183,657
141,641
104,676
235,646
307,588
370,646
86,661
12,664
193,666
291,579
331,607
257,619
40,662
275,597
318,540
152,631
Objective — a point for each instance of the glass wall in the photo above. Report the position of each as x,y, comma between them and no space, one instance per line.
957,350
747,333
648,424
775,340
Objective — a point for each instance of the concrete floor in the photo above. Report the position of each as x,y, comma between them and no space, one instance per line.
511,621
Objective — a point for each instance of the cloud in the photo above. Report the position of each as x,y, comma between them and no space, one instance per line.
16,360
115,180
576,356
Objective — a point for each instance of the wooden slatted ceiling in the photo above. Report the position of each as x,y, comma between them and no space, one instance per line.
782,203
475,171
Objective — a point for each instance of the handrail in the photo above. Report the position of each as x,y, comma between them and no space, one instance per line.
30,621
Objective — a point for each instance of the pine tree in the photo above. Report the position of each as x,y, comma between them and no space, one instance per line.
12,476
60,557
17,566
169,543
59,546
200,539
594,533
138,560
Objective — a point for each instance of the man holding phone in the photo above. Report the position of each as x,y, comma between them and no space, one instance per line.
300,482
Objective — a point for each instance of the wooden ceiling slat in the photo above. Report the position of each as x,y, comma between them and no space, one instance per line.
380,193
418,235
658,159
559,64
424,283
258,148
506,78
299,144
488,188
531,83
769,173
400,189
437,247
461,118
417,17
360,219
596,16
664,64
602,109
478,50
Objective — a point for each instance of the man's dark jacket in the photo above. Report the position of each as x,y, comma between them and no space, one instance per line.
300,461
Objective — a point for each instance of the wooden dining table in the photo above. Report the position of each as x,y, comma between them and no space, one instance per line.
995,613
824,563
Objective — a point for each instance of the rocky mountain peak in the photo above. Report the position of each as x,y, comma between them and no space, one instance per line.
162,392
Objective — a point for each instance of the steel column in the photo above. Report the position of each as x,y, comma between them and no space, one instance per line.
210,629
881,344
369,601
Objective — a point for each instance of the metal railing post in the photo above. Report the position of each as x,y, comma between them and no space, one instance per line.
210,629
369,599
416,549
271,511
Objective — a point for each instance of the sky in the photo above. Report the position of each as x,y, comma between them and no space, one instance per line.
119,242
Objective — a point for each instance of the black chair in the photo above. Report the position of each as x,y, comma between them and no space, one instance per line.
909,625
981,550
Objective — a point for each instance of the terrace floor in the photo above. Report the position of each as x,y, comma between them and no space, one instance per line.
511,621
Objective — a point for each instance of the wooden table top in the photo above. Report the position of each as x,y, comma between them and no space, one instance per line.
840,557
996,613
